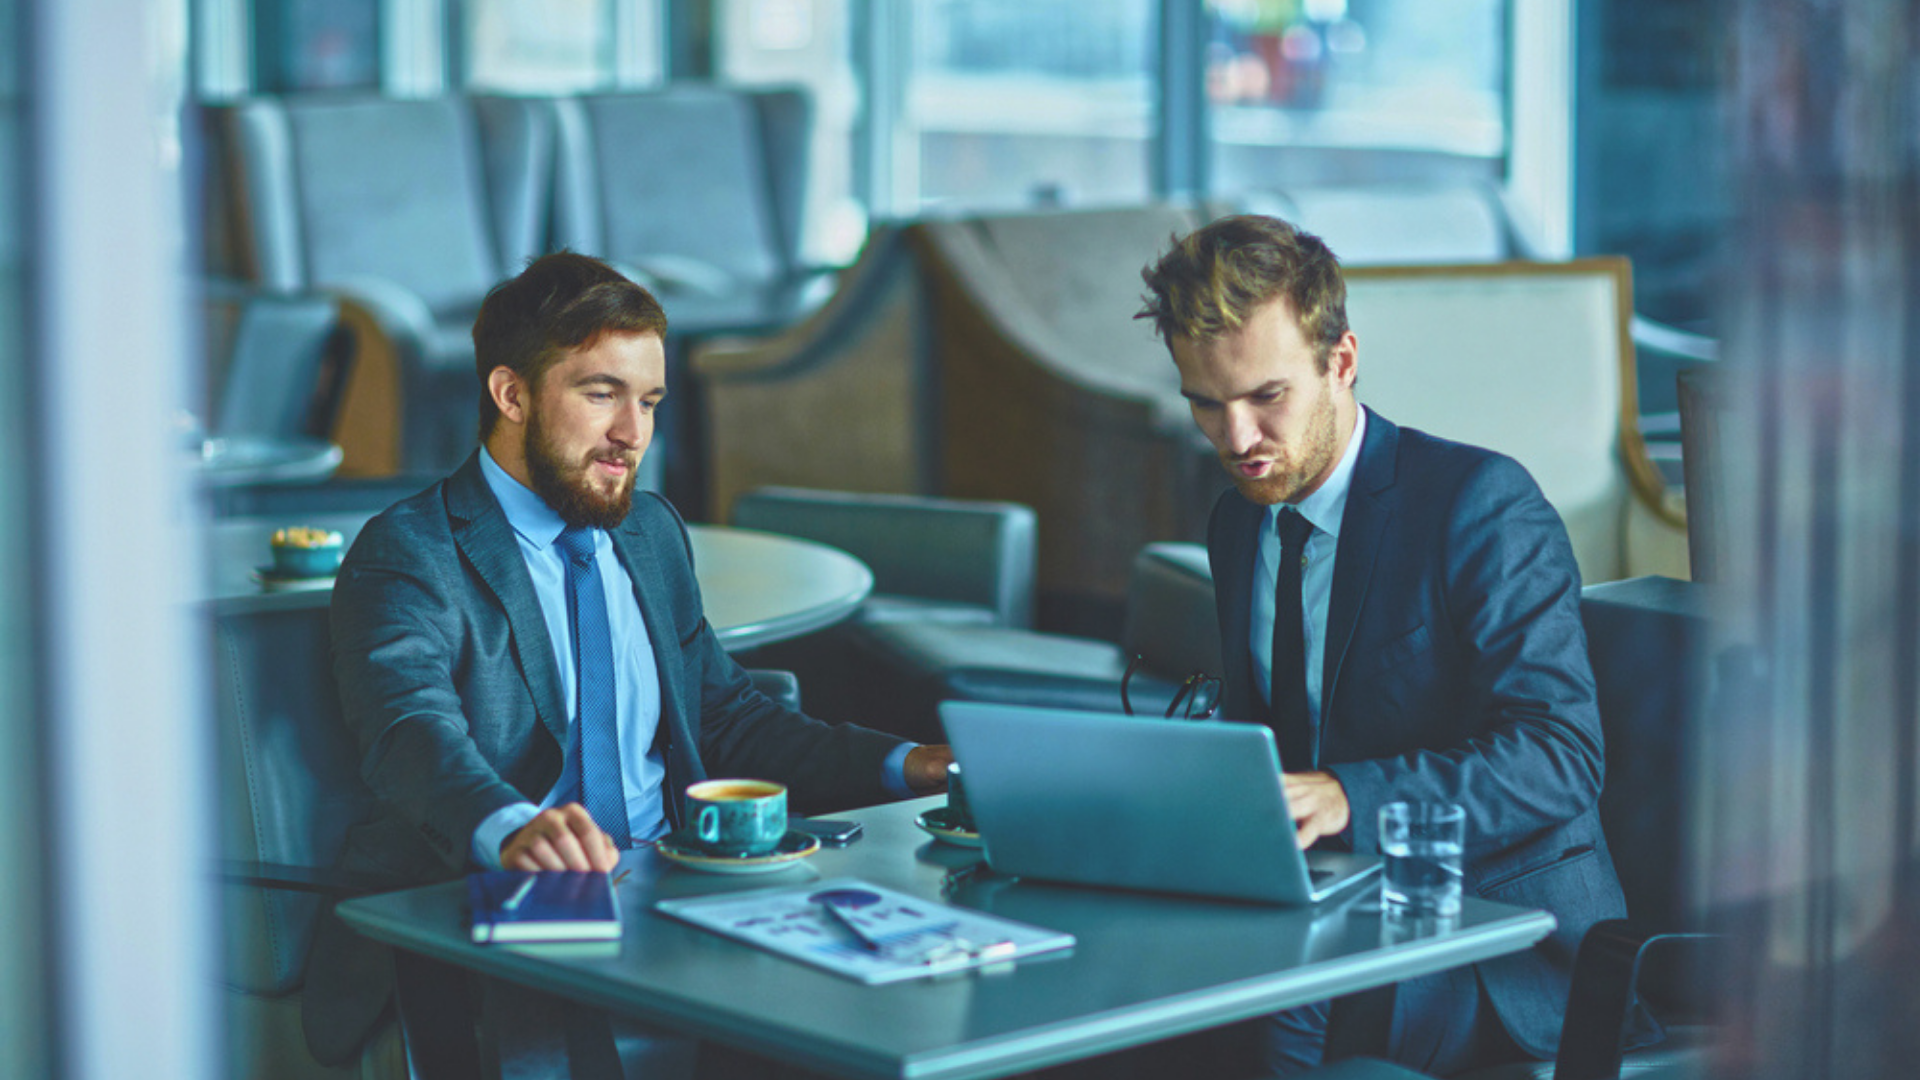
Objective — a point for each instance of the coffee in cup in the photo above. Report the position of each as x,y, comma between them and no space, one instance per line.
738,817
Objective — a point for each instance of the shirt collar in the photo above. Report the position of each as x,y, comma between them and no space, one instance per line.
1324,508
527,512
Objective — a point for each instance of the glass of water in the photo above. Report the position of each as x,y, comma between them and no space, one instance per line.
1423,842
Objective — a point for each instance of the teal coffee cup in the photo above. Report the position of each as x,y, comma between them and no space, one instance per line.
738,817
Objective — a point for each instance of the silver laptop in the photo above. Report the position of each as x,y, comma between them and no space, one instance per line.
1191,807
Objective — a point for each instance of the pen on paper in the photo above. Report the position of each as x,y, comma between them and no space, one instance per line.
520,894
867,941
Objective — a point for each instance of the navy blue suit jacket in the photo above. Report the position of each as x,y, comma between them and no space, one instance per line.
448,682
1456,670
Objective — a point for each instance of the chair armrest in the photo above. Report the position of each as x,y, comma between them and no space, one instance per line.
392,311
1606,974
1172,623
325,881
781,686
969,551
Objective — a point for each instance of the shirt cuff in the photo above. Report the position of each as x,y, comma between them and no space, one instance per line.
893,771
496,827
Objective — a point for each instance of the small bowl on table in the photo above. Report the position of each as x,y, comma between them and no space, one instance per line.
304,552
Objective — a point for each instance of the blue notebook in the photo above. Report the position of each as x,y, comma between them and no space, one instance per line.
548,905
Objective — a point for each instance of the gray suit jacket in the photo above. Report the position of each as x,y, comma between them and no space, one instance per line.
1456,670
448,682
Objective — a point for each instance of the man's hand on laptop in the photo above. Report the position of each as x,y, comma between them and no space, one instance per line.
1318,803
926,768
563,838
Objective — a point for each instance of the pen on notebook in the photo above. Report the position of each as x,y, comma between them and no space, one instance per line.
867,940
513,902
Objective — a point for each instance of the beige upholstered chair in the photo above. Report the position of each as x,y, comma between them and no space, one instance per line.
1533,360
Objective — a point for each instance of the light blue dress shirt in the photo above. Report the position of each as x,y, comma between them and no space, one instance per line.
1323,510
636,677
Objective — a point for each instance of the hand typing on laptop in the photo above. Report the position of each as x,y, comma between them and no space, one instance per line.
1318,804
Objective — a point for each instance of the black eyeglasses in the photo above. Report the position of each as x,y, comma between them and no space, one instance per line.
1197,698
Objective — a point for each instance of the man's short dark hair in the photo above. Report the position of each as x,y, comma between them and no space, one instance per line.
559,303
1211,280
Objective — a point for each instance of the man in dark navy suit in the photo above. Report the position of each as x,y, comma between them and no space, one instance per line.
1421,640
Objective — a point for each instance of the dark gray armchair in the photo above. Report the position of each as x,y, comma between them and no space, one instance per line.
409,210
939,560
949,618
697,191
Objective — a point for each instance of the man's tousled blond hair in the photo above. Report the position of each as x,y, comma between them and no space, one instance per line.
1210,282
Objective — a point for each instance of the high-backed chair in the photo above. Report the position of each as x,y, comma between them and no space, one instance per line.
278,363
1649,639
1533,360
697,190
1053,395
864,353
290,791
409,210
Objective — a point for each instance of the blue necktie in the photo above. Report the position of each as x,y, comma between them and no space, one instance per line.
1287,690
596,735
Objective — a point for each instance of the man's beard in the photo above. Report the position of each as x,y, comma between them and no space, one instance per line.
566,487
1287,480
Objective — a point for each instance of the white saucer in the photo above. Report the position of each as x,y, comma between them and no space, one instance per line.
794,847
939,822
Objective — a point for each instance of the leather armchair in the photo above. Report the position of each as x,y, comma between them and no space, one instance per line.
1648,638
940,560
698,192
458,200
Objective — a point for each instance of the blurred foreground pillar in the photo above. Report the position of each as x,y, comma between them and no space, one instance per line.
1809,784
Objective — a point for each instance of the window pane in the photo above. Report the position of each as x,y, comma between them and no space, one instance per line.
318,45
538,46
1018,102
806,43
1372,89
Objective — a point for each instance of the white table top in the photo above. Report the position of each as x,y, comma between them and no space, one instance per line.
757,587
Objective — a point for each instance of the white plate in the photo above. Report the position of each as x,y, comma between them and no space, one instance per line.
935,821
794,847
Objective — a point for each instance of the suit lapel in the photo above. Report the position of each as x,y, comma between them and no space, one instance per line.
642,561
1362,528
1242,524
481,532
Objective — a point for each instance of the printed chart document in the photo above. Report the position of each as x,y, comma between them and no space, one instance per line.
865,931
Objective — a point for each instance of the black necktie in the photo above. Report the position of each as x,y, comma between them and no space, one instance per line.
1287,693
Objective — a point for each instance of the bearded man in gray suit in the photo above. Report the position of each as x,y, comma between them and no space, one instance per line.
454,652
